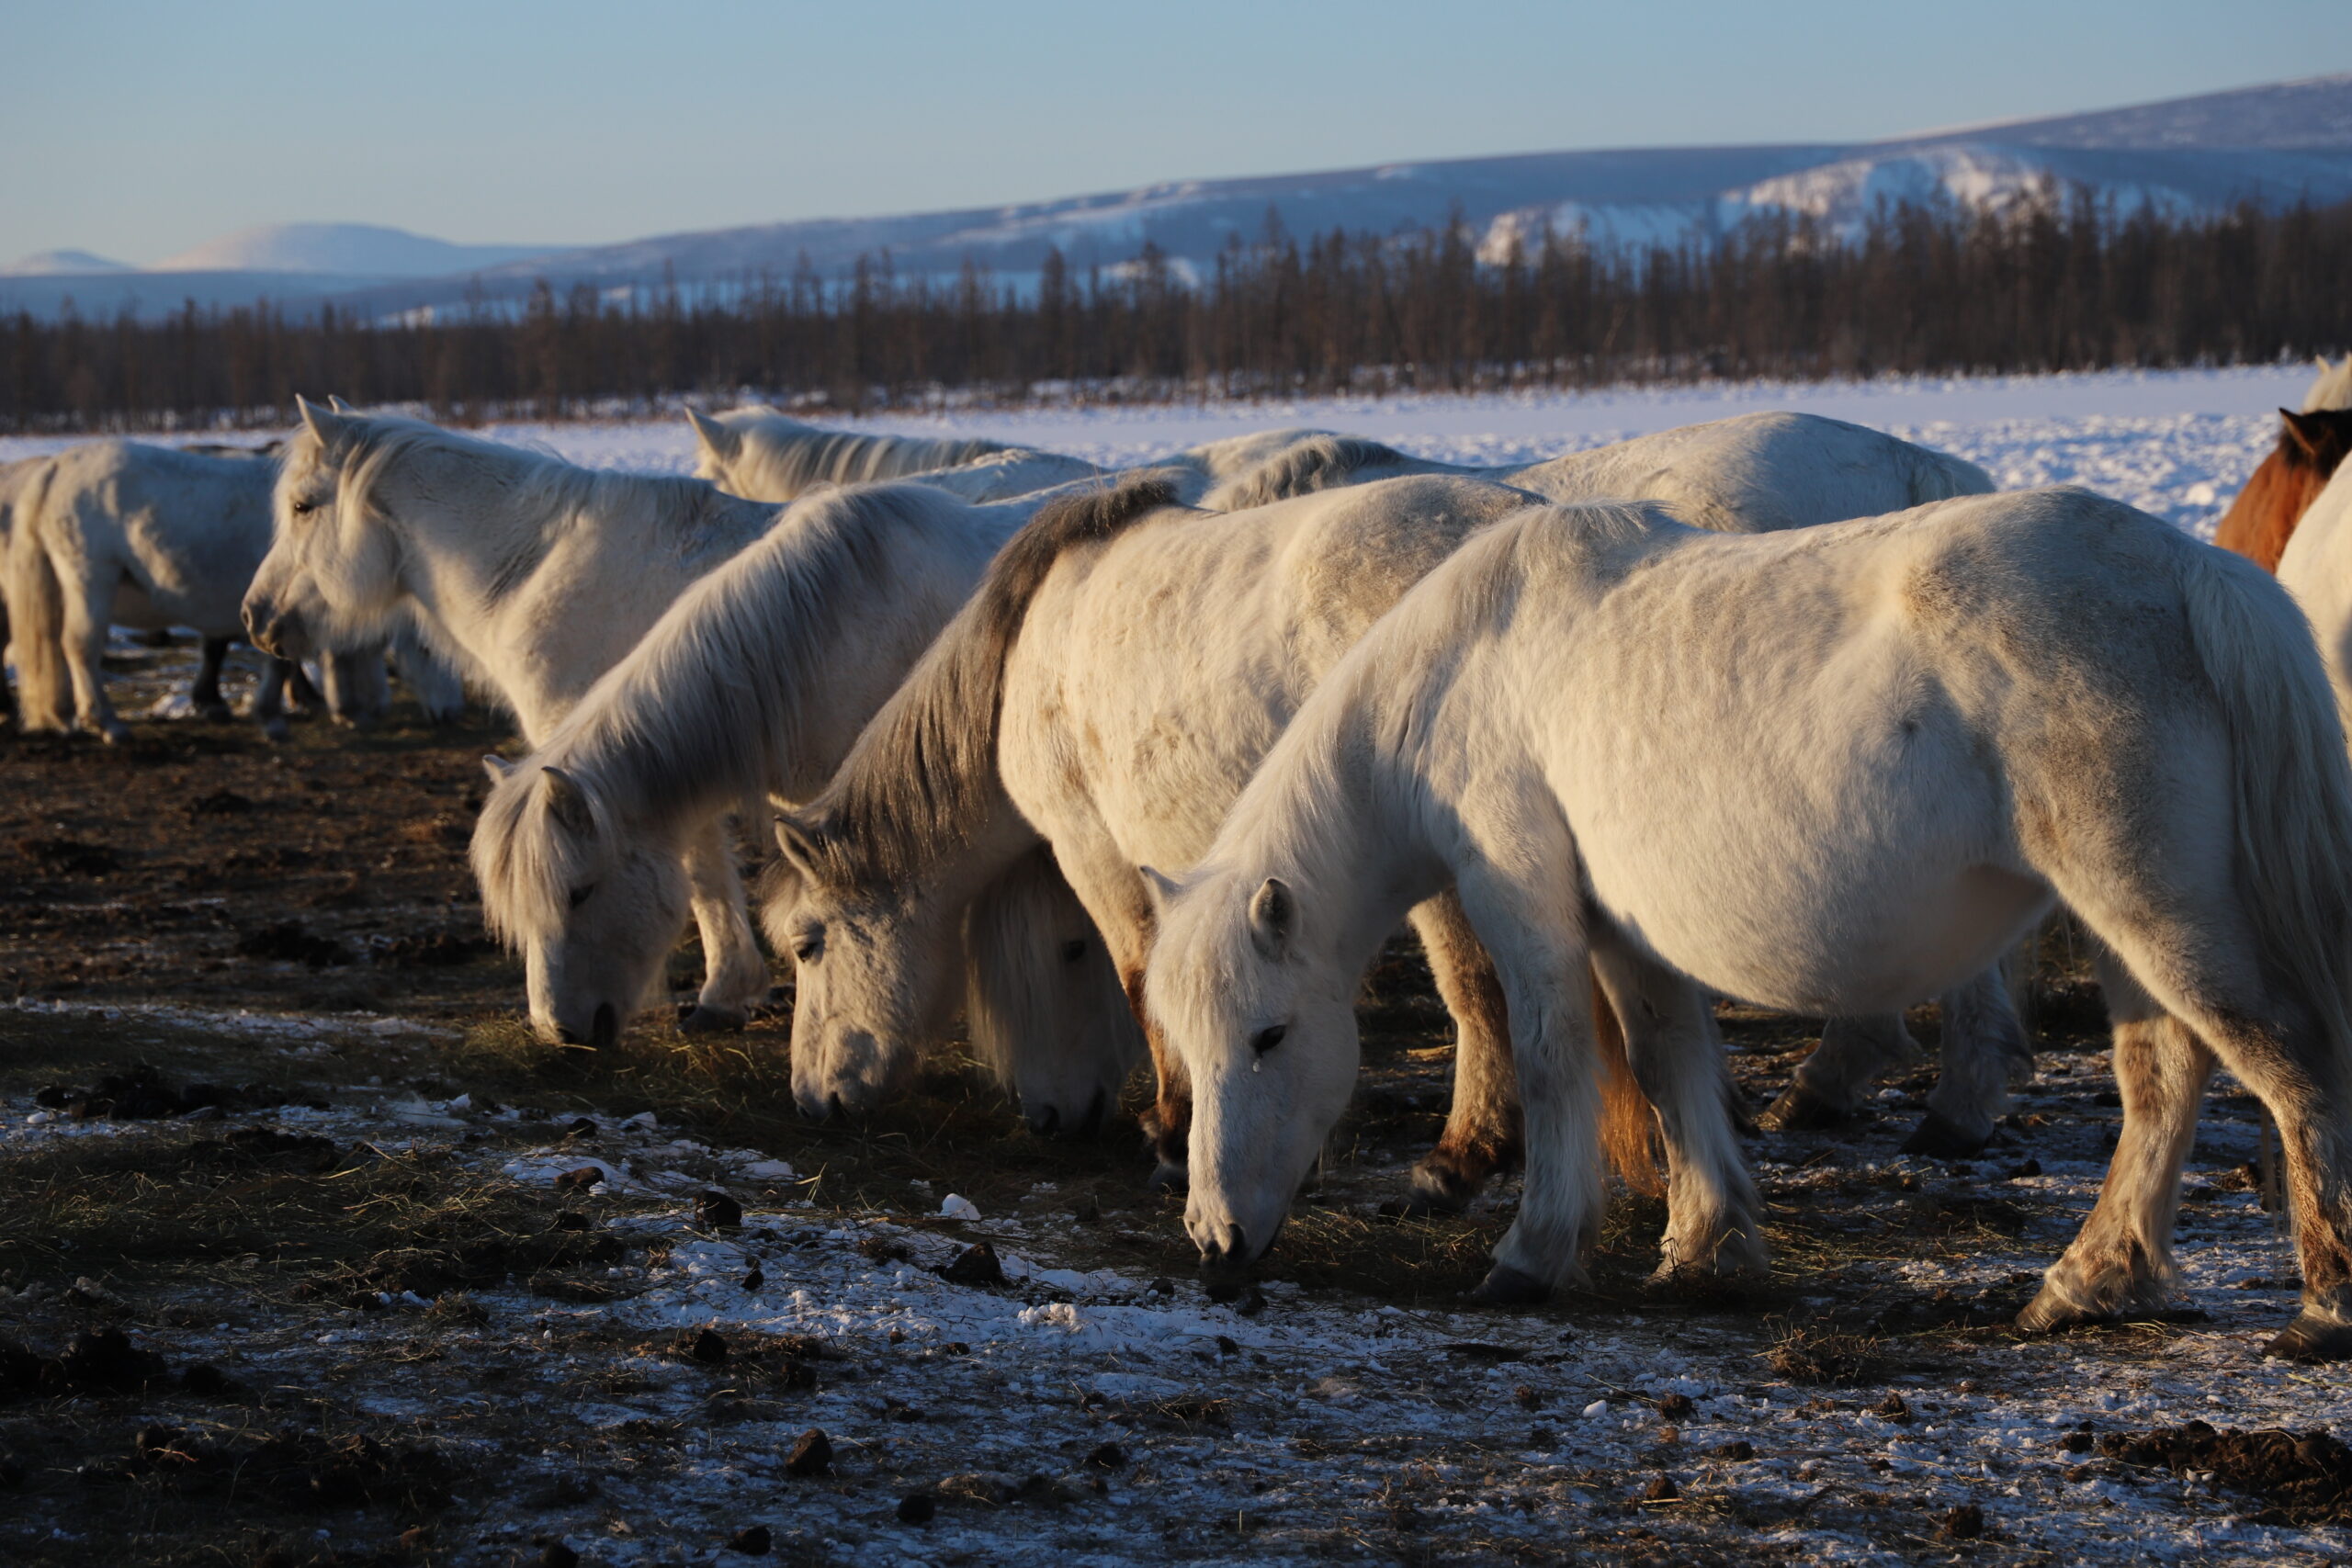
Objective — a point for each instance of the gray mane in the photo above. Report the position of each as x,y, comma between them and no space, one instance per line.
921,778
708,707
1318,462
785,456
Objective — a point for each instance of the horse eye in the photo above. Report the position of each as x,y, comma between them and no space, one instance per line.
809,946
302,508
580,895
1074,950
1268,1038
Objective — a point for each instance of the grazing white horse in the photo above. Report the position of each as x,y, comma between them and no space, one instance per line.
536,575
1824,770
1151,674
754,683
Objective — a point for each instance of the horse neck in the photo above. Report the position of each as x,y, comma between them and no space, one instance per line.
2263,518
1335,810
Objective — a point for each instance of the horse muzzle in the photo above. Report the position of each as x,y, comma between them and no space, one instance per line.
273,631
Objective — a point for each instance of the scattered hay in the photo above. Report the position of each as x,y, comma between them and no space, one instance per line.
1826,1357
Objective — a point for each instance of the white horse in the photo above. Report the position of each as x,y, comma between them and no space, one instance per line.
756,451
1824,770
2316,568
120,533
1151,674
754,683
536,575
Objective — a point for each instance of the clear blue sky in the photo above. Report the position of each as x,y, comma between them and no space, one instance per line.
137,128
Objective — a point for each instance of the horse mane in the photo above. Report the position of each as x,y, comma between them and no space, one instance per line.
2311,445
535,485
1316,463
710,704
922,776
2332,390
782,457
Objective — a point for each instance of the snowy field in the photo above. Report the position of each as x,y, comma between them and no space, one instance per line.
2173,443
1096,1405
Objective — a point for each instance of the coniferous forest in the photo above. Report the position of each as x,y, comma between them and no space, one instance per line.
2056,281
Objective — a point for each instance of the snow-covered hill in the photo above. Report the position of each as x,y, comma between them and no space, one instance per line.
346,249
51,264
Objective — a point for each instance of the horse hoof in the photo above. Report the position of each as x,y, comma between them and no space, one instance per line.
275,729
1439,1188
1938,1136
213,713
1505,1286
1800,1109
2052,1313
711,1020
2313,1338
1168,1177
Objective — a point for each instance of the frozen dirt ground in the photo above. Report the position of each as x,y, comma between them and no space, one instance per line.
404,1307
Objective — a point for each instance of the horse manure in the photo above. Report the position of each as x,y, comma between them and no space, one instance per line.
917,1508
716,1211
2306,1478
1661,1489
1738,1450
1965,1522
709,1347
1162,1287
558,1555
976,1265
756,1279
570,1220
289,942
752,1542
579,1180
70,857
1528,1397
2076,1442
1108,1456
582,1128
219,803
1675,1406
812,1455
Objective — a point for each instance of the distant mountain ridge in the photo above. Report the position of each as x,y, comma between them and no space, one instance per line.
2273,144
345,250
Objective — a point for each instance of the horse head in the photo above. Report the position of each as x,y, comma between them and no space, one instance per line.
330,576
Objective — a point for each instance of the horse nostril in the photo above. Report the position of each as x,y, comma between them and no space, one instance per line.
1046,1122
1236,1245
834,1106
604,1028
1094,1107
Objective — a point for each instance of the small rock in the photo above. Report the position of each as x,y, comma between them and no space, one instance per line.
1675,1406
1894,1408
812,1455
715,1211
956,1206
917,1507
1965,1522
1162,1287
1108,1456
558,1555
753,1541
756,1279
579,1180
976,1265
1737,1449
571,1220
582,1128
1661,1489
709,1347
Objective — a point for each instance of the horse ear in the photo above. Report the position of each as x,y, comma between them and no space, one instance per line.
338,405
1159,887
324,423
2303,430
499,769
568,803
796,838
717,439
1274,914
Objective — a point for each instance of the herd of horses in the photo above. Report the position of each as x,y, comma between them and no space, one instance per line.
1112,766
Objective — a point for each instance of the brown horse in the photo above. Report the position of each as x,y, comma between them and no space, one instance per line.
2263,518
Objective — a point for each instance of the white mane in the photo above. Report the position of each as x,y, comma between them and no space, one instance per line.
768,454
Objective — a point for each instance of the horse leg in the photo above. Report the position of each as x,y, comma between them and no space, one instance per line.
1677,1060
1826,1088
735,975
1533,925
1115,898
204,697
302,699
2196,953
1482,1131
2121,1260
86,606
269,697
1984,1050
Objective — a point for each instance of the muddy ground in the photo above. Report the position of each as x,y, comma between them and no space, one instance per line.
311,1254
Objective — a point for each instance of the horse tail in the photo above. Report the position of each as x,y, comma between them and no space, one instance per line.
36,601
2290,779
1628,1121
1316,463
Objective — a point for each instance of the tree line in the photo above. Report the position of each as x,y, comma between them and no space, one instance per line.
2056,281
